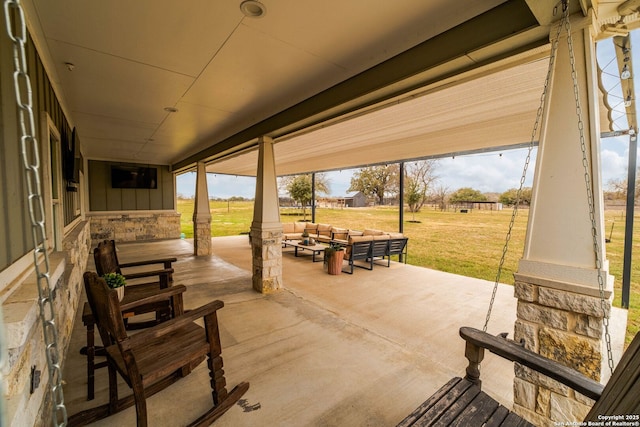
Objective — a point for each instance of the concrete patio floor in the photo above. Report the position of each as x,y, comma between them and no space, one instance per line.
348,350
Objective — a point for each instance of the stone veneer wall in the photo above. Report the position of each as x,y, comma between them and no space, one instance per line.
266,249
134,226
202,244
563,326
25,341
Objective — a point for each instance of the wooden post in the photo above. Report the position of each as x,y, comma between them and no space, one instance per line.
475,355
201,215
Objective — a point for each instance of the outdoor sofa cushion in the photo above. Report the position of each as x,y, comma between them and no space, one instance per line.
324,233
292,230
339,233
287,228
324,230
371,232
380,237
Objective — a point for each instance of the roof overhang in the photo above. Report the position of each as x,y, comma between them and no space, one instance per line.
458,107
484,109
500,34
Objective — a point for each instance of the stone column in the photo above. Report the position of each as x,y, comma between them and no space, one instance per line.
201,215
560,312
266,229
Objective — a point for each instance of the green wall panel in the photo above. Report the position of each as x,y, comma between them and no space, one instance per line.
107,198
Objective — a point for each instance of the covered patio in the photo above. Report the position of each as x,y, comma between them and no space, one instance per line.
163,89
327,350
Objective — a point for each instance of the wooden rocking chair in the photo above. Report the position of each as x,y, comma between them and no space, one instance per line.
135,297
106,260
460,402
105,257
153,358
108,255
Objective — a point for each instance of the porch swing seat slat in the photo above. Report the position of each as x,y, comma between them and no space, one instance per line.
461,403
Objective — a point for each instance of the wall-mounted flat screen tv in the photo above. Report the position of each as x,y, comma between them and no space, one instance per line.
134,177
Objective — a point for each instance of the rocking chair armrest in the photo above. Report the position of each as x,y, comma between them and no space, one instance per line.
160,296
512,351
176,323
166,261
164,272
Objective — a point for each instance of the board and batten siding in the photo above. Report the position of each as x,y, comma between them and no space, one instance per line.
15,225
102,197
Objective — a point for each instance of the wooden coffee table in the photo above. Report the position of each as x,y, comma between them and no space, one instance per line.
314,249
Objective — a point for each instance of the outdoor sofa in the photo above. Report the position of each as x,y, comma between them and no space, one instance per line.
367,246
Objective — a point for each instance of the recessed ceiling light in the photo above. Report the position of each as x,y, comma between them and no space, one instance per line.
253,9
171,109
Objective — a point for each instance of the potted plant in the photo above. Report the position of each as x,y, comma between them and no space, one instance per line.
116,281
333,257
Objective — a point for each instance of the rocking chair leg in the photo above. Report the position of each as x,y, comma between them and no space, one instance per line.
138,394
218,382
216,371
113,390
222,400
217,411
141,405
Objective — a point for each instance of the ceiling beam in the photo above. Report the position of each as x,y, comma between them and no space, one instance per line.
496,25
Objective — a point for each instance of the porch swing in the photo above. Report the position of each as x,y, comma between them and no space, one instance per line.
461,402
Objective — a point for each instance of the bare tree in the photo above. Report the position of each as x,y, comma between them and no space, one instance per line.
441,196
420,179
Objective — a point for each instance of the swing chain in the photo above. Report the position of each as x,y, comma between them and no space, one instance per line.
564,23
534,132
29,149
590,199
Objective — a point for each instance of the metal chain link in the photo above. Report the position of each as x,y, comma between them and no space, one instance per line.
514,213
590,197
31,162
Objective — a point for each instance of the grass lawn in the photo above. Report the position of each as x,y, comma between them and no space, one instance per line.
466,244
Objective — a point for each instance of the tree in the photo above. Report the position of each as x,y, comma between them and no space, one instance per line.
618,187
441,196
509,196
376,181
420,177
467,194
299,188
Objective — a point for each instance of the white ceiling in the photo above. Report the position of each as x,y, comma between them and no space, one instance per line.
225,73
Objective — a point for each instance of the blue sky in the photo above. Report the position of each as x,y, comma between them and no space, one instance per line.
488,172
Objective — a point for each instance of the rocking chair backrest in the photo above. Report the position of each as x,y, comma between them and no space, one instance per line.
105,308
621,395
106,258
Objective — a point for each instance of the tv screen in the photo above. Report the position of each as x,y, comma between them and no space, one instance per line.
134,177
